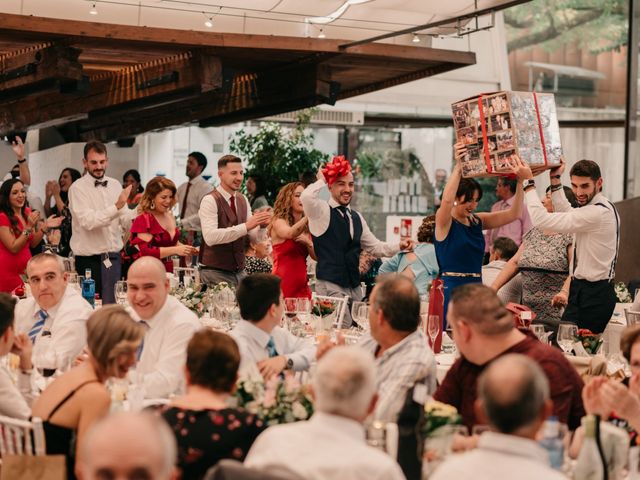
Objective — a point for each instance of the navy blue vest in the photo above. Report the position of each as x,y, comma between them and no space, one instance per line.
338,254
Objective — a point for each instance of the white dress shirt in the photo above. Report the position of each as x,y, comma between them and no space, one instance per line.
500,456
510,291
97,225
252,342
398,369
596,232
15,400
66,322
208,213
164,350
199,188
318,212
326,447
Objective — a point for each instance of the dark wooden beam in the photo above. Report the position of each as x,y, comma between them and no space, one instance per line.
134,87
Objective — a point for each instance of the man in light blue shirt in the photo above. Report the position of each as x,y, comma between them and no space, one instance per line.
262,342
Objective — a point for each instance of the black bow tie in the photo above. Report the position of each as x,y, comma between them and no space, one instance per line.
98,183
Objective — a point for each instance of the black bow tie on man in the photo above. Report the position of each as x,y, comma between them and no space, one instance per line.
99,183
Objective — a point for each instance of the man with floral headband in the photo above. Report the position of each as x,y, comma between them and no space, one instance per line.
340,233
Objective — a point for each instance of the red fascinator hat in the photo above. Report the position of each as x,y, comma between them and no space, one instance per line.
336,168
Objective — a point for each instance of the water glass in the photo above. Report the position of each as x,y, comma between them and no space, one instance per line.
567,333
360,314
290,310
120,291
538,330
304,309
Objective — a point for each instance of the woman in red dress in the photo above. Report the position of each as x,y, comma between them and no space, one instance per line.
20,228
291,242
154,231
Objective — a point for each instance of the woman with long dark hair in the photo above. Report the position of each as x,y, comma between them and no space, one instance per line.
291,241
20,228
59,192
132,177
256,192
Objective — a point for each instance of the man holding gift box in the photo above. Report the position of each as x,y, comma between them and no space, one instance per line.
340,233
596,228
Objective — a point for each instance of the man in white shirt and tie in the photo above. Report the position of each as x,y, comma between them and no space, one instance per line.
225,216
332,443
261,340
190,194
340,233
55,316
100,217
169,326
596,228
513,394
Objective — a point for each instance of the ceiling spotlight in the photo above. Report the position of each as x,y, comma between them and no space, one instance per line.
209,22
416,38
93,10
321,34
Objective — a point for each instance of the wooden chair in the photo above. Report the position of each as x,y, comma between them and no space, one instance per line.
21,437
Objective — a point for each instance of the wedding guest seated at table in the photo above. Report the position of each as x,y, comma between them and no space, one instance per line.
14,399
257,247
483,330
128,446
261,339
54,317
169,326
502,250
402,354
75,400
332,443
206,429
513,395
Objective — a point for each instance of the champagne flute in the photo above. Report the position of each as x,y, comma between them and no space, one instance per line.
567,336
433,328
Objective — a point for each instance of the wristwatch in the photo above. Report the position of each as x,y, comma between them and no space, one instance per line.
528,183
22,160
289,364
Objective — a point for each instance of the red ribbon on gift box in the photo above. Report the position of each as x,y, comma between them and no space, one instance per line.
483,126
544,147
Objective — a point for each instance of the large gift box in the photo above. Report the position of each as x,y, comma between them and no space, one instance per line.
496,125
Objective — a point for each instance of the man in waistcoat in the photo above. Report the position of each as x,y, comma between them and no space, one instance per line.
340,233
225,217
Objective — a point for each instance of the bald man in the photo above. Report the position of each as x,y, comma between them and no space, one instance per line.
169,325
513,398
128,445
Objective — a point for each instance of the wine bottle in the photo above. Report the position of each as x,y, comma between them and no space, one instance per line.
590,464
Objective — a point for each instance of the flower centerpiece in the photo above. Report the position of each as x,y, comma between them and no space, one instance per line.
275,401
438,415
589,340
191,297
622,292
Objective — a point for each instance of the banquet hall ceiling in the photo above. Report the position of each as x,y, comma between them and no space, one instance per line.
112,77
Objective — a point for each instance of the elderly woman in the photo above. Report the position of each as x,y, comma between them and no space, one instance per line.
206,429
543,261
79,397
154,231
421,264
257,251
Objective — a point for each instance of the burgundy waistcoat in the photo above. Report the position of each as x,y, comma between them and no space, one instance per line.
226,256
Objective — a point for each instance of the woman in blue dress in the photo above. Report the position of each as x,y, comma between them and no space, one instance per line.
459,242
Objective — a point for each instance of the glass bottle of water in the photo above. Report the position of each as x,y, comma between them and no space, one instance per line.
89,288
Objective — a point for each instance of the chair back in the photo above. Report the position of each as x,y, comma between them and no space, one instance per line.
633,318
21,437
341,305
234,470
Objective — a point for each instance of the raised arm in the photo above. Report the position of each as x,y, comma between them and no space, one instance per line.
315,209
280,229
443,215
89,218
18,148
492,220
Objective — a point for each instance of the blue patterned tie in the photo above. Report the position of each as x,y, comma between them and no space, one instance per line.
146,329
271,348
41,317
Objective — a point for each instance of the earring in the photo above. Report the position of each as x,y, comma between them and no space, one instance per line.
153,205
455,203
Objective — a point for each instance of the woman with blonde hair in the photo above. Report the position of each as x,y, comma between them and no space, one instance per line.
291,241
154,232
75,400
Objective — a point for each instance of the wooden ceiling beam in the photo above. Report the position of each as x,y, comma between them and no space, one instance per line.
183,75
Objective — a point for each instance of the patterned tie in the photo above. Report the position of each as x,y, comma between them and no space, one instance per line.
271,348
184,201
41,317
232,203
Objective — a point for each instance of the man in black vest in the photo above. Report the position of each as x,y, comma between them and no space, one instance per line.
340,234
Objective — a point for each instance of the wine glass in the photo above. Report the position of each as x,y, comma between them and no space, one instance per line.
290,310
567,336
538,330
121,292
433,328
355,311
304,309
362,315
